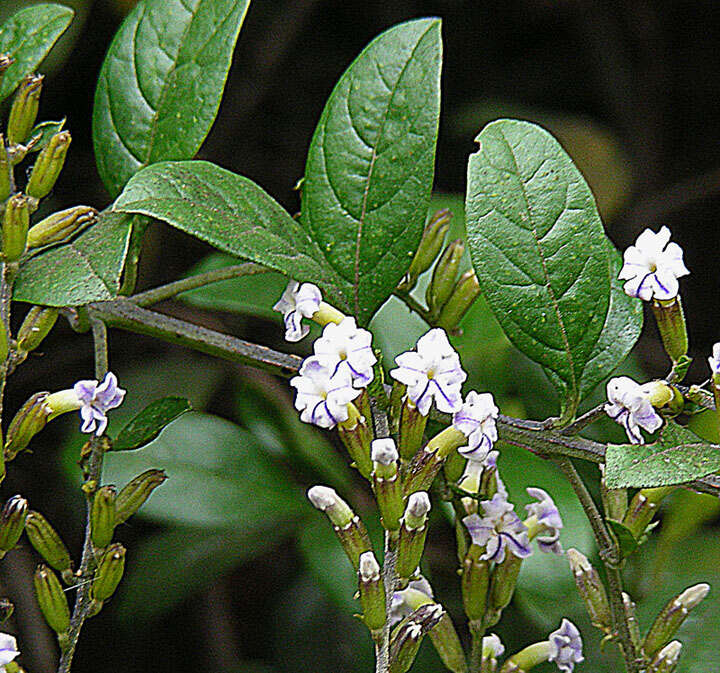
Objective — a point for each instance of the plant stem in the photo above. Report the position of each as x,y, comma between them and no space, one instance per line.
583,421
158,294
477,632
382,649
414,305
8,271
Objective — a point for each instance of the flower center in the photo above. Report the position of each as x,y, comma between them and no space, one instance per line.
430,373
343,355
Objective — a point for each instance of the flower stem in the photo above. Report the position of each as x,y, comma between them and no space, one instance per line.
477,632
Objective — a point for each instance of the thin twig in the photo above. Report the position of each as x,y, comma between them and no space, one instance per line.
586,419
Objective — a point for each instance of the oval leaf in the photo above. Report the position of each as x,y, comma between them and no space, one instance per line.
27,36
161,83
539,249
149,422
371,162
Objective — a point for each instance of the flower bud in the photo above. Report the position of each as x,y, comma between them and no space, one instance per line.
504,580
448,646
348,527
411,430
666,659
665,398
372,592
386,482
443,278
632,622
48,165
413,532
15,227
643,507
5,171
23,112
52,600
591,590
406,639
60,226
429,248
356,436
672,616
134,494
27,422
427,463
102,516
671,324
527,658
474,583
466,291
6,609
36,326
109,573
12,523
47,542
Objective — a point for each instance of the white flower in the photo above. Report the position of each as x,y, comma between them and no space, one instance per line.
652,266
347,346
714,359
404,603
492,647
498,530
548,517
629,405
384,451
323,395
565,646
298,302
96,399
430,372
8,649
476,420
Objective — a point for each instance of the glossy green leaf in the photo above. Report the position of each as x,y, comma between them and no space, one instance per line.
42,133
233,214
625,539
27,36
161,83
371,162
86,269
148,424
539,249
677,457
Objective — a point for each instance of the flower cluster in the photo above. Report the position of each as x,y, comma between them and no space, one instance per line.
629,405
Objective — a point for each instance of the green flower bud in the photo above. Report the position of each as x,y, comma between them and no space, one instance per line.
27,422
12,523
527,658
411,430
60,226
134,494
504,580
465,293
671,324
427,463
406,638
448,646
666,659
474,583
23,112
102,516
665,398
413,532
6,609
109,573
48,165
348,527
52,600
372,593
356,436
36,326
443,279
632,622
643,507
430,244
591,590
47,542
386,482
5,171
15,227
672,616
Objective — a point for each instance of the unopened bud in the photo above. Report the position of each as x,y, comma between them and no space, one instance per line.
134,494
466,291
631,618
417,509
447,644
443,279
372,592
52,600
591,590
5,171
24,109
27,422
406,639
430,244
12,522
411,430
427,463
109,573
47,542
48,165
413,532
527,658
672,616
474,583
356,436
666,659
102,516
504,581
386,482
643,507
36,326
15,227
665,398
671,324
6,609
60,226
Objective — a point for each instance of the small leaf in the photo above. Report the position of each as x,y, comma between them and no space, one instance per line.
161,82
625,539
371,162
679,456
86,269
150,422
42,133
539,249
27,36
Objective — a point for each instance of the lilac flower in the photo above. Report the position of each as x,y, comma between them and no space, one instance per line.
96,400
565,646
323,395
547,519
498,530
404,603
476,420
346,346
430,372
629,405
652,266
298,302
8,649
714,359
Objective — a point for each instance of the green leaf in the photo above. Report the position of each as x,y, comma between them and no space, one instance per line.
27,36
371,162
539,249
86,269
150,422
231,213
677,457
161,83
43,132
625,539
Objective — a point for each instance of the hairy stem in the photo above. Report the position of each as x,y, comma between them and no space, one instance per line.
8,271
477,632
382,648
